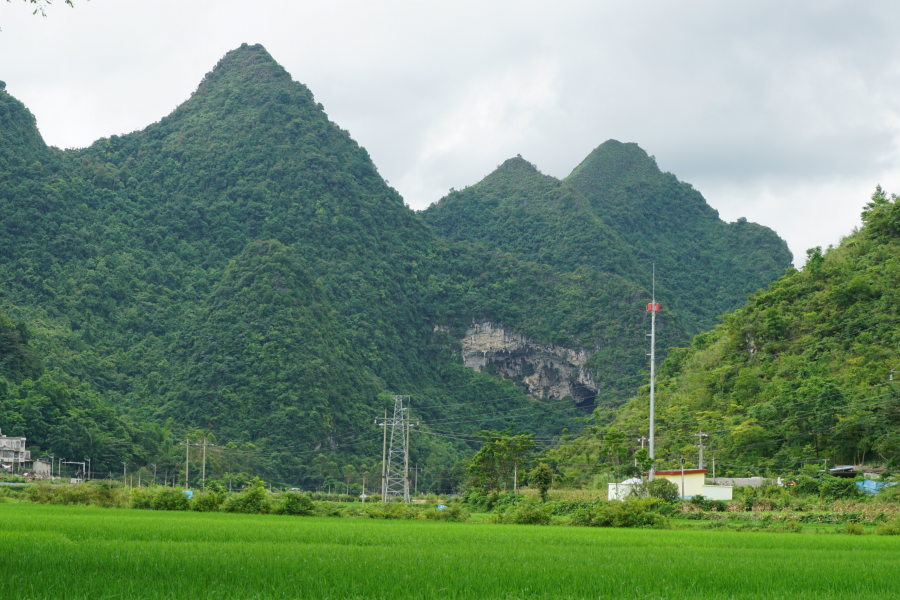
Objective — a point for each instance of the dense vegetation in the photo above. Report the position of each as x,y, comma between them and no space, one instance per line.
238,274
797,377
618,213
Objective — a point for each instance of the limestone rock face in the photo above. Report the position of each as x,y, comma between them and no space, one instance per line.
541,367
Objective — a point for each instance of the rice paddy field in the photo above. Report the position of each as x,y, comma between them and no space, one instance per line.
83,552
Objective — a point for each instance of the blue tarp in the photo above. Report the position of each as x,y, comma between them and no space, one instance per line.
188,494
873,487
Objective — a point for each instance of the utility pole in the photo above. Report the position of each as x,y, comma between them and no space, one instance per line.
154,473
714,467
124,474
700,437
652,308
384,460
203,480
682,478
641,439
406,462
187,456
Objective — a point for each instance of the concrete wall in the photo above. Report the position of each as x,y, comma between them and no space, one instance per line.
717,492
693,483
618,491
621,491
744,481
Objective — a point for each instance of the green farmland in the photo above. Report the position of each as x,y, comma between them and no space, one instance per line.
74,552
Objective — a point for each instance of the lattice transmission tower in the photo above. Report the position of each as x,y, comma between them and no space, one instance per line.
395,453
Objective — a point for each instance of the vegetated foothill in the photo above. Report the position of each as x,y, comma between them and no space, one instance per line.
797,380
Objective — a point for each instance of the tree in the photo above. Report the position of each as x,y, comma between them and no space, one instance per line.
499,457
643,460
614,445
349,473
542,478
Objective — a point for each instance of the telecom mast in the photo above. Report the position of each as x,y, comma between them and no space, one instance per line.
395,457
652,308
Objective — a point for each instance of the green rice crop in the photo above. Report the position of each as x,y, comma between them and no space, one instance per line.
65,552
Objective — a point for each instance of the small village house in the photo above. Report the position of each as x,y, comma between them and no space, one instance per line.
12,452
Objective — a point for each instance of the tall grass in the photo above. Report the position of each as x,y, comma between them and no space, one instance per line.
86,552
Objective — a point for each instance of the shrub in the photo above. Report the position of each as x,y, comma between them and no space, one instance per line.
207,502
295,504
542,478
254,500
454,514
890,527
390,510
836,488
81,494
141,498
633,512
169,499
855,529
529,512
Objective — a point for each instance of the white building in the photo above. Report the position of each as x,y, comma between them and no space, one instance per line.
12,451
693,483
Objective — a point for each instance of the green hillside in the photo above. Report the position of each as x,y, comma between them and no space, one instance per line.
707,265
618,213
536,217
240,272
798,375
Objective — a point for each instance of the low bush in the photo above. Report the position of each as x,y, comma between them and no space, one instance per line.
854,529
632,512
83,494
837,488
142,498
455,513
169,499
254,501
390,510
890,527
207,502
295,504
529,512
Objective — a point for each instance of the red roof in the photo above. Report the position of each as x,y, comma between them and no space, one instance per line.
686,472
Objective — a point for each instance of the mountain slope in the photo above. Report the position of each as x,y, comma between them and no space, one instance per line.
708,265
241,267
798,375
534,216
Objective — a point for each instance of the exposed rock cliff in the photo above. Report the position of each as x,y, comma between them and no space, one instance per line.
556,370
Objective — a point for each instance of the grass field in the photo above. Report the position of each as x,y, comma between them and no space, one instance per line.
75,552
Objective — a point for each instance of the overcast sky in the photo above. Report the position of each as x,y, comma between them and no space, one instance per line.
785,113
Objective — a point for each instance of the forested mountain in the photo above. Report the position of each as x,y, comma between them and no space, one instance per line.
708,265
619,213
239,270
800,374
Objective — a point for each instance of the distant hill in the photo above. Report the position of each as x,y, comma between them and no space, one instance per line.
618,213
708,265
239,271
